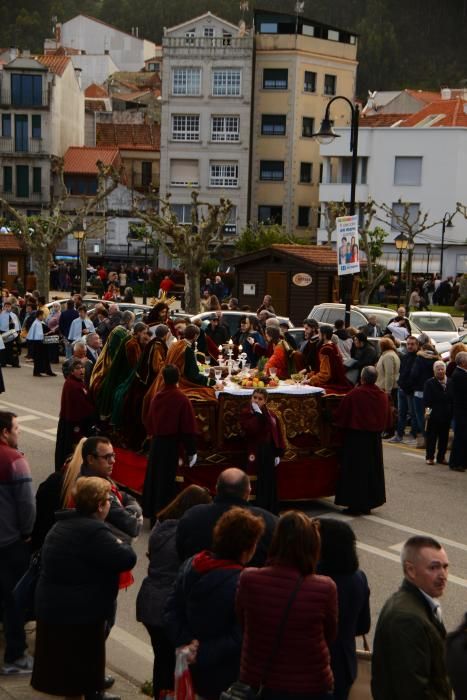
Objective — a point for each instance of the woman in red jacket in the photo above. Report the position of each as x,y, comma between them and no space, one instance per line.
300,670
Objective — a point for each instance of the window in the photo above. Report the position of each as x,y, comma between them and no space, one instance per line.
37,180
305,172
270,213
36,126
223,175
7,178
190,37
398,210
304,216
26,90
275,78
81,184
6,125
268,28
22,181
333,35
182,212
231,223
146,173
21,133
408,170
273,124
329,84
321,172
225,128
226,82
154,67
186,81
185,127
271,170
208,32
363,170
307,126
184,173
309,83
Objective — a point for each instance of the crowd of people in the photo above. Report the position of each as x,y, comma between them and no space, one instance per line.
229,581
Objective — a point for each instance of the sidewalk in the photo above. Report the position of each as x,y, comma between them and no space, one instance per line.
19,687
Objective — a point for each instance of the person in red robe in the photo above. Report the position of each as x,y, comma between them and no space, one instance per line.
265,447
364,413
331,371
172,426
77,414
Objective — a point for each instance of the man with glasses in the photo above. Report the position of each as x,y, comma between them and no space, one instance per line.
124,517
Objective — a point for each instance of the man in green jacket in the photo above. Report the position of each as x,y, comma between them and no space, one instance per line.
408,652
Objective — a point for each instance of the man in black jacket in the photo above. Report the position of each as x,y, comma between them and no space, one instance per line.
437,402
405,393
194,532
363,352
458,392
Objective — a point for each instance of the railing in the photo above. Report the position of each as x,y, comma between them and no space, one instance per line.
9,144
202,42
36,197
23,101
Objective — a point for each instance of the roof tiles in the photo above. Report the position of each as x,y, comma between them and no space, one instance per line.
56,64
82,159
129,136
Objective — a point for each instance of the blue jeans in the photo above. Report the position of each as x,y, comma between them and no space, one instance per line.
405,405
14,560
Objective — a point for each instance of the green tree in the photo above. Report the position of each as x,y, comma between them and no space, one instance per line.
259,235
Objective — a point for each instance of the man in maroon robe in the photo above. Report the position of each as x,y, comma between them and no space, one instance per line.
171,425
364,414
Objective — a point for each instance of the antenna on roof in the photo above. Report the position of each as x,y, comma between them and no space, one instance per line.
299,10
244,6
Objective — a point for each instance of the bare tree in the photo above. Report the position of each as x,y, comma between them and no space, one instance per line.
371,242
40,235
411,225
332,210
190,244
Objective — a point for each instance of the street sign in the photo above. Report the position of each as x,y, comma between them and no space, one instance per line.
348,251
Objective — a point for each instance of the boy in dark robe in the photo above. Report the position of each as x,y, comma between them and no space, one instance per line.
265,446
171,425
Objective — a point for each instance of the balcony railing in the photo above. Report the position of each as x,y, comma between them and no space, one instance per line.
202,42
8,144
36,197
7,99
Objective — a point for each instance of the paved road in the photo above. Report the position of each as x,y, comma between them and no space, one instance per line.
420,499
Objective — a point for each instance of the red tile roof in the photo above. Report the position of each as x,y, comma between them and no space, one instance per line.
426,96
317,254
56,64
8,241
129,136
375,120
83,159
95,90
451,113
95,106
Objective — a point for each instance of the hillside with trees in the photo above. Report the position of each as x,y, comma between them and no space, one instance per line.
418,44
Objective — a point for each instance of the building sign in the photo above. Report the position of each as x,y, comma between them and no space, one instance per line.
249,289
12,267
302,279
348,252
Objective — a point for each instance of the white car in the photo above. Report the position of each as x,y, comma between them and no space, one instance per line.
439,326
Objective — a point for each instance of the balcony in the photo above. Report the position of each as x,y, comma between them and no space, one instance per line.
205,46
22,147
42,197
7,99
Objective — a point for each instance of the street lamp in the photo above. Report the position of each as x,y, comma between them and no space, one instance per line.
326,135
428,253
447,223
401,242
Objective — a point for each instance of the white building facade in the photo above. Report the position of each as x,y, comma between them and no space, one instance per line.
422,166
205,118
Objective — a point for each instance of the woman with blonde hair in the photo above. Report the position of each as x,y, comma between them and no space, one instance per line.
388,367
302,669
75,596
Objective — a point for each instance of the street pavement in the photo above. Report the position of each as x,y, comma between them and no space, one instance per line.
420,499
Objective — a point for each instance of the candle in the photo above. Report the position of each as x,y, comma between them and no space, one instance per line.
230,342
240,348
220,348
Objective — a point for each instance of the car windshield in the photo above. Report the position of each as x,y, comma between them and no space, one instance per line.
435,323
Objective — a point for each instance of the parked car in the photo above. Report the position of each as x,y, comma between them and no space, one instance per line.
232,319
439,326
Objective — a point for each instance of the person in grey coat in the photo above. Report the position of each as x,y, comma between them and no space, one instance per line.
164,564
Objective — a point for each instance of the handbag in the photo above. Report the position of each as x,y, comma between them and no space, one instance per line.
361,689
242,691
25,590
51,339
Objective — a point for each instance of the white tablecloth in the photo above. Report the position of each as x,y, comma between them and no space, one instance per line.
292,389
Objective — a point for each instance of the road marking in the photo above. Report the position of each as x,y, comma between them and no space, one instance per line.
28,410
414,531
412,454
21,419
136,645
52,431
393,557
39,433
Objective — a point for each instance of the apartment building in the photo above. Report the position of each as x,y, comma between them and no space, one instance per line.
300,65
206,114
41,113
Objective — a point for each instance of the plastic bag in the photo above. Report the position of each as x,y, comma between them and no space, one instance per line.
183,683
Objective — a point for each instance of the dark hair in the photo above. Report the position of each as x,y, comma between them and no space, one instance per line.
170,374
237,531
90,446
70,304
154,314
414,544
274,333
339,324
362,337
82,308
229,487
6,420
190,496
74,364
327,331
244,319
296,542
260,390
138,327
311,322
41,300
191,331
338,547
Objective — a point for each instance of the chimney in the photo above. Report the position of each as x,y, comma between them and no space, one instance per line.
132,31
58,32
78,77
26,53
446,93
137,32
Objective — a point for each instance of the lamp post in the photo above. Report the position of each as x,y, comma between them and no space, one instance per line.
79,235
428,253
326,135
447,223
145,271
400,242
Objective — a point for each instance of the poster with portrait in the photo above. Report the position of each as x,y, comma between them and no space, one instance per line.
348,251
